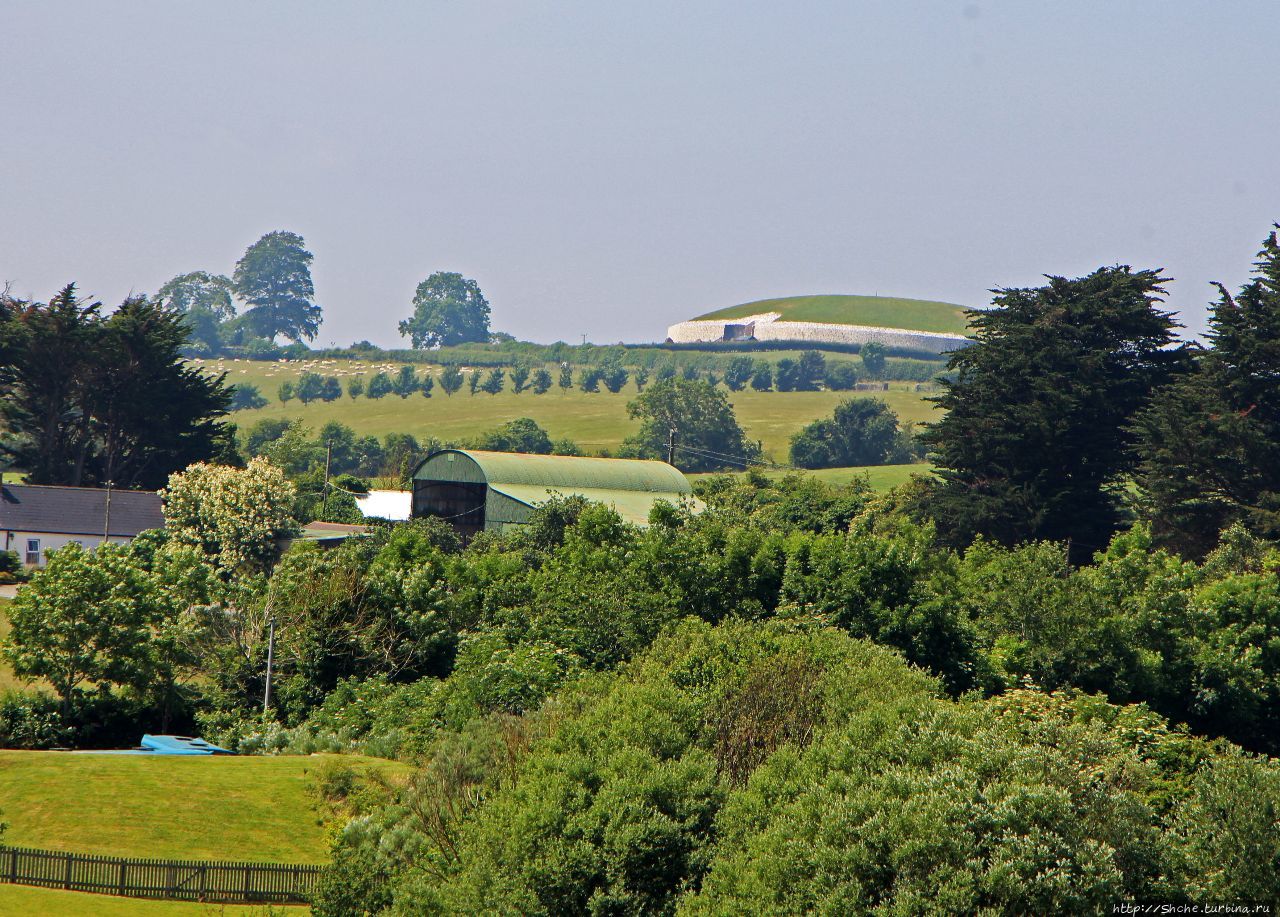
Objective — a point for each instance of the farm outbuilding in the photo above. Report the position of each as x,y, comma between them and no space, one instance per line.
478,491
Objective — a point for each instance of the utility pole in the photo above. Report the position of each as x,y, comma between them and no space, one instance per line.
271,652
328,458
106,524
671,446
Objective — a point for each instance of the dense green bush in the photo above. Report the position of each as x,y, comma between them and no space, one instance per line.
784,768
31,719
861,431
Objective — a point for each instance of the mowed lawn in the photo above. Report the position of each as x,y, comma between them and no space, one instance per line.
881,311
26,901
248,808
595,421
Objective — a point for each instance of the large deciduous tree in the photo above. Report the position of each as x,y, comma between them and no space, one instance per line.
862,431
83,622
1036,434
1209,445
87,399
447,309
701,420
205,300
274,277
199,290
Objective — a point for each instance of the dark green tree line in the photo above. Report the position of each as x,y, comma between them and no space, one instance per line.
1209,445
1037,427
87,398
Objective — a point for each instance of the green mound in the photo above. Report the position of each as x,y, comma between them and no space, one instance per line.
882,311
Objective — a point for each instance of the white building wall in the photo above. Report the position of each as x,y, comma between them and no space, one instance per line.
17,542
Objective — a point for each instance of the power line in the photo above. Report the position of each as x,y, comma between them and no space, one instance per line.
733,459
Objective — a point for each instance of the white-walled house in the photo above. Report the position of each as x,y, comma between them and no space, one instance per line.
36,519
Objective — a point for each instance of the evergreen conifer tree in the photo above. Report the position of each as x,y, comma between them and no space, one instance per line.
1037,430
1209,445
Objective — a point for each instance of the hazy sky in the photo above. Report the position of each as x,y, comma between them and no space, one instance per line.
609,168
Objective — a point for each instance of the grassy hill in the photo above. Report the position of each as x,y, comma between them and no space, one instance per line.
882,311
595,421
221,808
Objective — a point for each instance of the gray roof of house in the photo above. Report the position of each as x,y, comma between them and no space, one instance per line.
77,510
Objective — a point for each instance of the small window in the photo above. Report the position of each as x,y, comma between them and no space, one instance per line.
33,552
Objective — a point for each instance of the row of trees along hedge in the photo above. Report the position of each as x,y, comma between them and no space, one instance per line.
505,351
810,372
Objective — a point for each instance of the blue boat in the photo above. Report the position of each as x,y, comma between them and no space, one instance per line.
164,745
180,745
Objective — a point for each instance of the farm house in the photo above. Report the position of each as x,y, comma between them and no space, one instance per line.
36,519
477,491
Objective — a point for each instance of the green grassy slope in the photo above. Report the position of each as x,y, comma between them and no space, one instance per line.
221,808
881,477
595,421
883,311
25,901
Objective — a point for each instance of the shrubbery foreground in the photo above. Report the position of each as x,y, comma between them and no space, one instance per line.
795,700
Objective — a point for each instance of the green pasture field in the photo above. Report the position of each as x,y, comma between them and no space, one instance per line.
595,421
247,808
882,311
26,901
882,478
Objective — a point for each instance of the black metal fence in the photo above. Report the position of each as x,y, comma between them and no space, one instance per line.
185,880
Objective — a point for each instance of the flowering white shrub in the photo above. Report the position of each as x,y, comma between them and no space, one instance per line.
234,515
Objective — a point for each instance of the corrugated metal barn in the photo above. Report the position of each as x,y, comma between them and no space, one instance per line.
477,490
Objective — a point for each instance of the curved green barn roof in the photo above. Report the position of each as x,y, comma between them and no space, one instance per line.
517,482
501,468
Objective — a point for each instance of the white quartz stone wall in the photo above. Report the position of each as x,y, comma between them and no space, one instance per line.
768,328
825,333
697,332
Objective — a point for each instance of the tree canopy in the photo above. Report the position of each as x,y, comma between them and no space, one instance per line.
87,399
274,278
448,309
236,516
702,421
1038,413
199,290
861,431
519,435
1209,445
